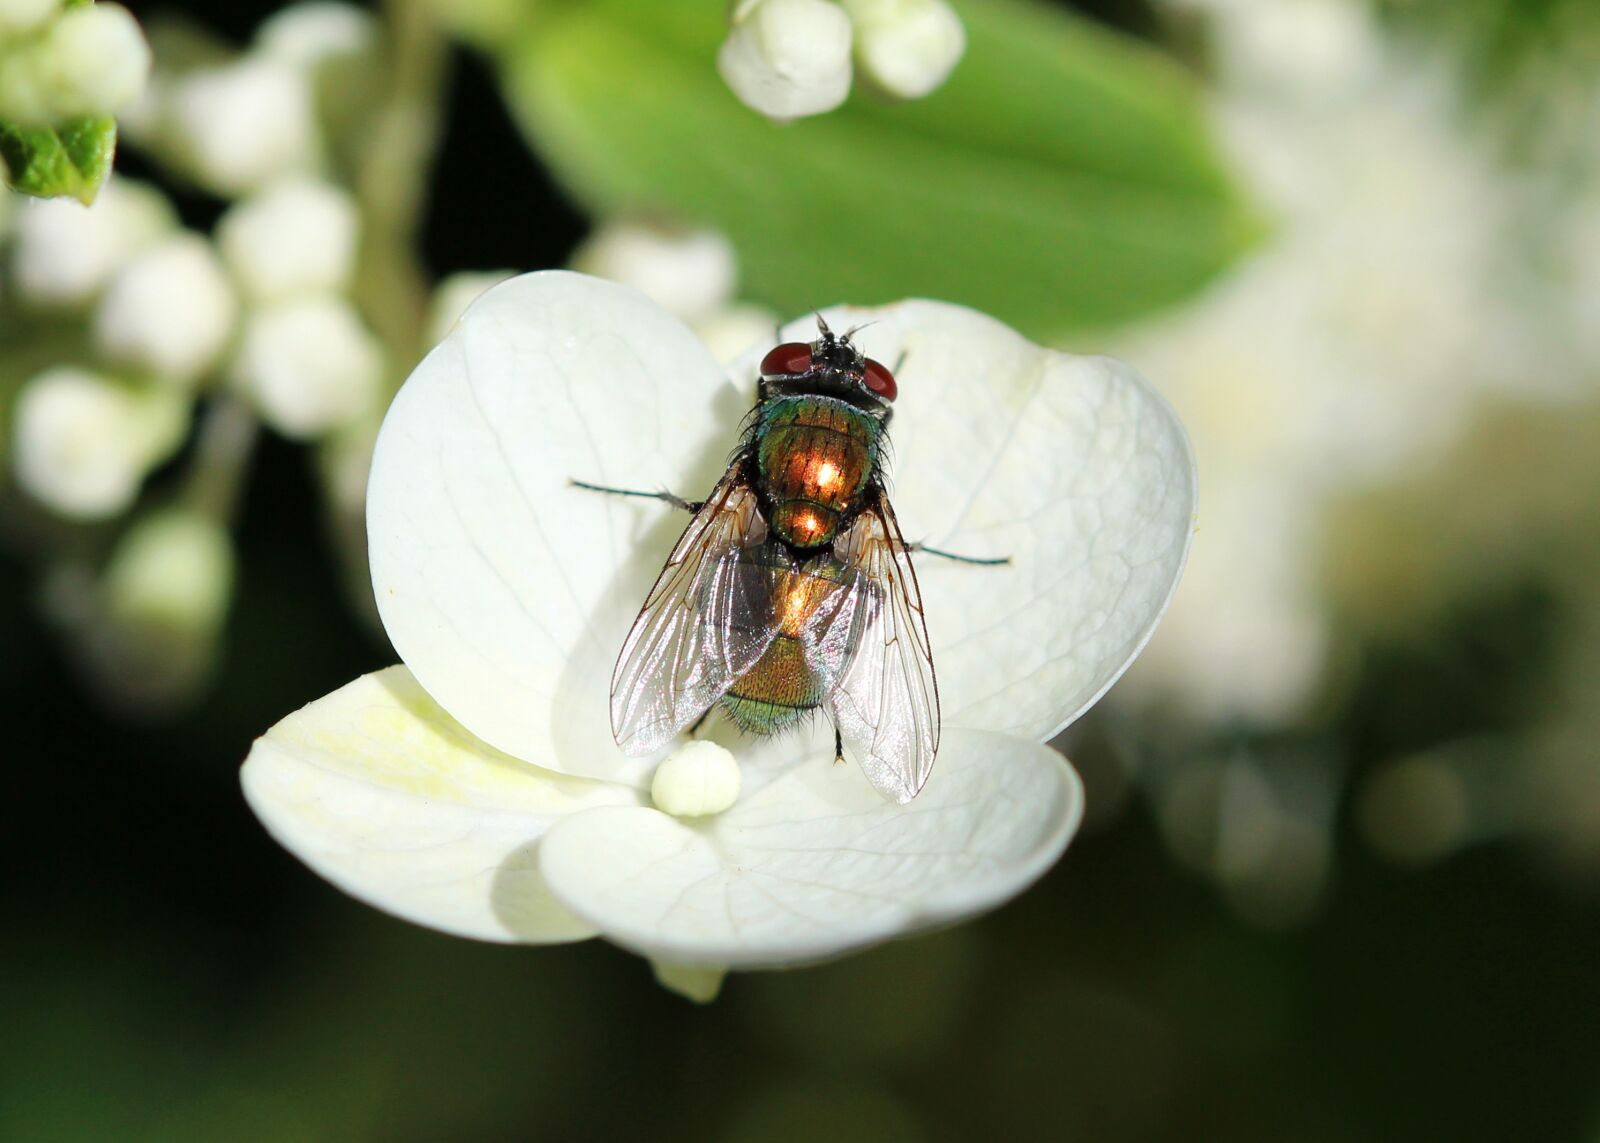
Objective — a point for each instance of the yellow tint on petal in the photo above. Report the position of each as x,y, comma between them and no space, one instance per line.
380,791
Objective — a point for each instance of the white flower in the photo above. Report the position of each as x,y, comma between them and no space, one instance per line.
788,58
93,61
309,33
477,789
84,443
20,16
66,252
907,47
1353,347
690,272
246,123
1299,49
171,574
297,236
168,312
309,365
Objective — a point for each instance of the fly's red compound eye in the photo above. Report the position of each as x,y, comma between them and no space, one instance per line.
790,357
880,380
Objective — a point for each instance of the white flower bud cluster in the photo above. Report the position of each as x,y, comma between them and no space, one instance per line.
240,126
158,313
168,313
689,272
693,273
171,573
66,253
58,64
306,360
791,58
84,442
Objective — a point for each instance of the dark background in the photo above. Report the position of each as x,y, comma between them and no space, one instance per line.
170,973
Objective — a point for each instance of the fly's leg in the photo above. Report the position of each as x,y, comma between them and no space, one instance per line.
838,747
1002,560
676,501
698,723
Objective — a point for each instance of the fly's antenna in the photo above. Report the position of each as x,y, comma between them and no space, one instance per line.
827,334
855,329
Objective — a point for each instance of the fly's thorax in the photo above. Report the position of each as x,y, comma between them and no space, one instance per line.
815,456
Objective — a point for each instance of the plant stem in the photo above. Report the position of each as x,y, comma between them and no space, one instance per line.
392,288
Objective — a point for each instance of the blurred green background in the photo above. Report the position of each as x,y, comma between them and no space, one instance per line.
1429,971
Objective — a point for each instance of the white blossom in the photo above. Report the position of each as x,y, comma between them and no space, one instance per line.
1352,347
96,61
171,573
83,443
690,272
309,33
907,47
309,365
90,60
168,312
246,123
21,16
297,236
477,789
788,58
66,252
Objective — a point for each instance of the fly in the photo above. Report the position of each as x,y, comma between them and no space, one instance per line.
792,588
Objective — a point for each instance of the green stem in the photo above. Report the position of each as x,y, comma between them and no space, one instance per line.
223,450
392,289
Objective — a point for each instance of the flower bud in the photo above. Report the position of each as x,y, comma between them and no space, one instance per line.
18,17
732,330
171,573
245,124
690,272
168,312
66,252
296,237
453,295
93,61
309,33
309,366
83,443
697,779
906,47
788,58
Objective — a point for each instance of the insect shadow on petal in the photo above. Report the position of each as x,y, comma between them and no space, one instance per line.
792,588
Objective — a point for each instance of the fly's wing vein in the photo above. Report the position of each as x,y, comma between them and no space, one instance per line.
871,644
706,622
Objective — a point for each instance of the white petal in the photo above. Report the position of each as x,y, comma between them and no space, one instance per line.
818,863
1074,467
507,591
386,796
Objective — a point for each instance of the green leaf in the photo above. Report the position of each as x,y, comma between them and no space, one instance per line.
1063,178
72,159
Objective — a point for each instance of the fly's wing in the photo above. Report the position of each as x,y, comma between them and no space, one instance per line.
871,645
706,622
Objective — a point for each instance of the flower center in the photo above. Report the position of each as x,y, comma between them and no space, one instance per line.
696,780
